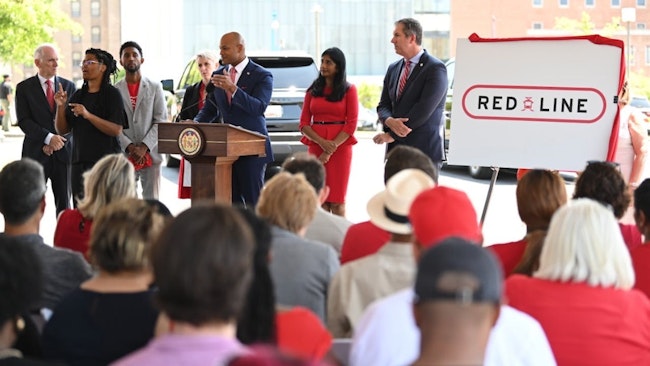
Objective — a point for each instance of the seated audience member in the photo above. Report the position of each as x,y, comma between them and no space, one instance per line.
21,282
392,268
269,356
326,227
602,181
110,179
296,330
301,269
113,313
539,194
581,293
365,237
458,293
22,204
641,255
202,269
386,335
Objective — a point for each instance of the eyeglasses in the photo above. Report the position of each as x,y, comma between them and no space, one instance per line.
88,63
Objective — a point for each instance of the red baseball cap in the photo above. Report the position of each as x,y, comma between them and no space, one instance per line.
442,212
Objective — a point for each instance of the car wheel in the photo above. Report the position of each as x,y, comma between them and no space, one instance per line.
171,162
479,172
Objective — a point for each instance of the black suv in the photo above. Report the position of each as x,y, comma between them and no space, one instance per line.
292,73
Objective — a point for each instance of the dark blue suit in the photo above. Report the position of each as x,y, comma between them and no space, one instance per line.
422,102
253,95
37,120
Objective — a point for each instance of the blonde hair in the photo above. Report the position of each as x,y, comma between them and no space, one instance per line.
288,201
122,234
584,244
111,178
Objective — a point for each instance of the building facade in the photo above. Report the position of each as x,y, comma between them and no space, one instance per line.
537,18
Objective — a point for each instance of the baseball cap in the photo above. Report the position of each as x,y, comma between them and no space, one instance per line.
442,212
389,209
460,270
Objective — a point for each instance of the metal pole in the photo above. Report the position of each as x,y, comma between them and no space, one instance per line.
495,174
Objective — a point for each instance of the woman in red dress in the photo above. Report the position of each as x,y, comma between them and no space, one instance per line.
328,122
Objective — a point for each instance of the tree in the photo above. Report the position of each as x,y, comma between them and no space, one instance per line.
586,26
24,24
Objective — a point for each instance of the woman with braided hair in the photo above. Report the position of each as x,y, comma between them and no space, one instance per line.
95,115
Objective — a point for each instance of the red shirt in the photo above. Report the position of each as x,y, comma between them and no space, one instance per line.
73,232
509,254
631,236
301,333
641,261
586,325
362,239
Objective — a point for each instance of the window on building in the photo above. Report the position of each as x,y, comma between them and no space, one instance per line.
76,38
75,8
95,8
616,3
76,58
590,3
538,25
647,55
641,3
640,26
564,3
538,3
95,34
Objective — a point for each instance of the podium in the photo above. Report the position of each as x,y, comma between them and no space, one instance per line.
211,148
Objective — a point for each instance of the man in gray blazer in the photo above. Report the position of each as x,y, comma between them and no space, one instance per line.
144,104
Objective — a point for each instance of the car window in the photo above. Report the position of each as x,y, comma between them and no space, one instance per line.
640,102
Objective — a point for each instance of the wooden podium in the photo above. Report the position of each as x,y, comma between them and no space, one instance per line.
211,148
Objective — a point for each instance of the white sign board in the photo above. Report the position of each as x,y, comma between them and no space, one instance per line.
534,103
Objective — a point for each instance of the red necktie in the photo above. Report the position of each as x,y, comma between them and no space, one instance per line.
405,76
232,72
49,93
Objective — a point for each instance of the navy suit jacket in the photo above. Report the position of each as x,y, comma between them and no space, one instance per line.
255,86
422,102
37,120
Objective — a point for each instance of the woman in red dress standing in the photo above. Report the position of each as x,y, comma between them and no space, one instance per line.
328,122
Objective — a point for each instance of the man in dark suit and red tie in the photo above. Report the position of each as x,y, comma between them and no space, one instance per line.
35,109
413,98
242,91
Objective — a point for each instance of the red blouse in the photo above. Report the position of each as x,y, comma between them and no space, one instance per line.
321,110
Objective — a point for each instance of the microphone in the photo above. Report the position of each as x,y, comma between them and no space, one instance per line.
178,116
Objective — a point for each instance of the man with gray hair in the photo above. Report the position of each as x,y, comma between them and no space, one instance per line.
22,204
36,109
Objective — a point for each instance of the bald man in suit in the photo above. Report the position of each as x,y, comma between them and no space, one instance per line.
241,102
36,119
413,98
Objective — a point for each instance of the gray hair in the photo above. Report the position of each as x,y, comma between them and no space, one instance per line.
584,244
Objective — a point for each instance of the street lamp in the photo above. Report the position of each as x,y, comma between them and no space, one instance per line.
628,15
275,25
317,10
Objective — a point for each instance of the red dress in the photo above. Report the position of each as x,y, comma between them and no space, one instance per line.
362,239
586,325
319,109
73,231
301,333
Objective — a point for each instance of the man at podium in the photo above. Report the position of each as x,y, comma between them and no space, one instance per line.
239,94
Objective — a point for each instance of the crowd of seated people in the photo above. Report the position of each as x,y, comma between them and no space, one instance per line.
222,285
